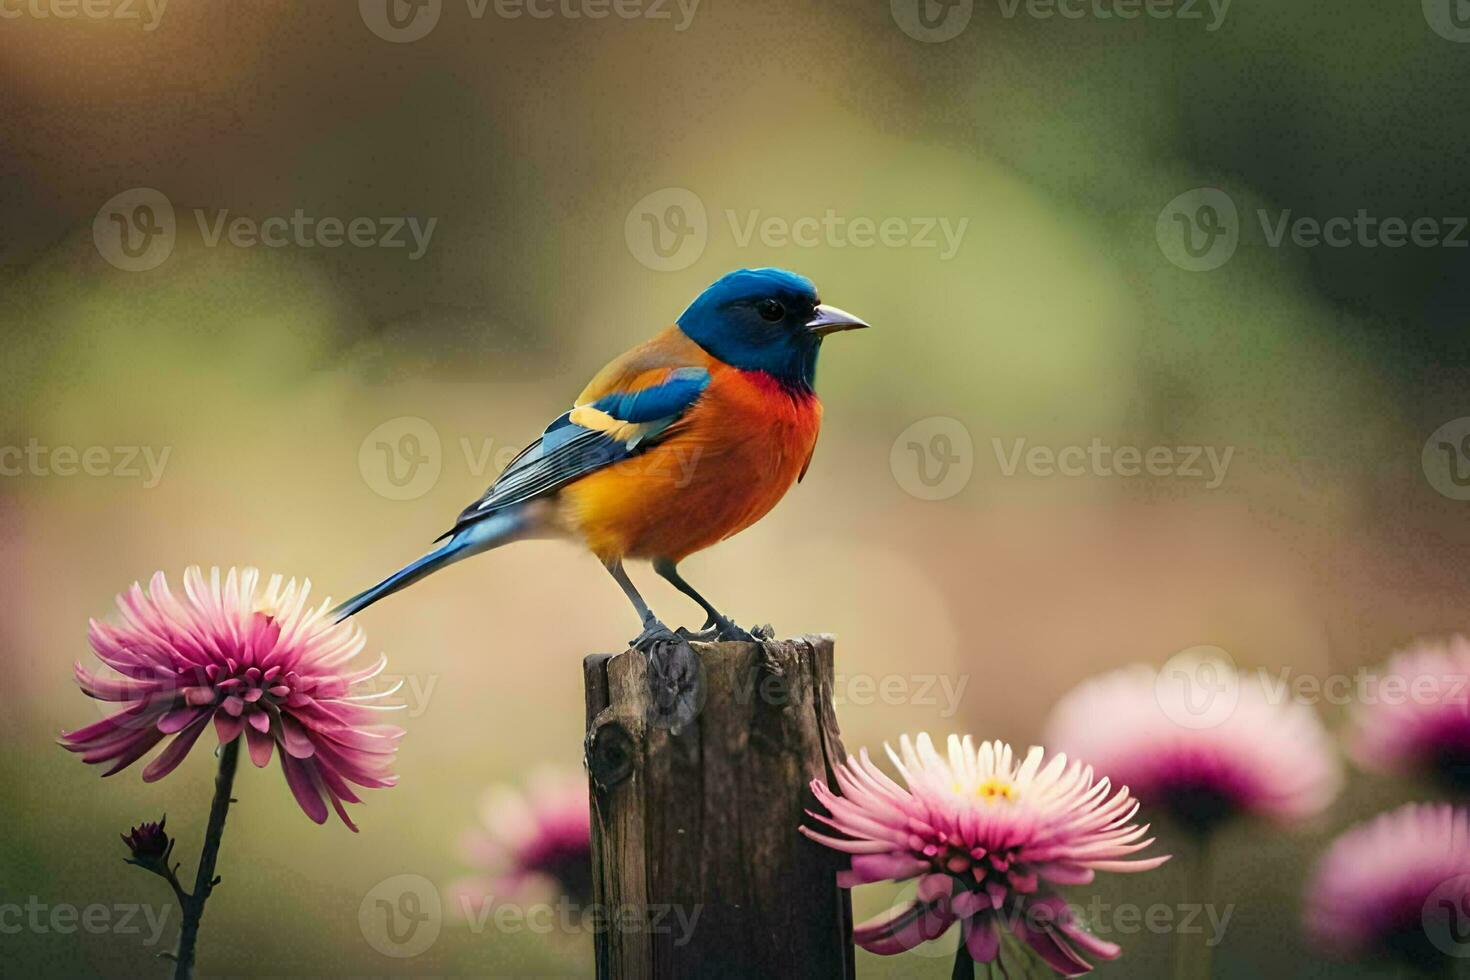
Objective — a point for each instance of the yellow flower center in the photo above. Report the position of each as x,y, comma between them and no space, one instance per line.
996,789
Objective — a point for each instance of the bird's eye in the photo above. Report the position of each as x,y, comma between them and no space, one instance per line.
771,310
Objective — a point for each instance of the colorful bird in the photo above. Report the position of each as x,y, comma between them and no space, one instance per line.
673,447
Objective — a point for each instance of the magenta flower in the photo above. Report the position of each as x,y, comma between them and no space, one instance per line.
256,663
532,846
1415,718
986,835
1397,885
1201,762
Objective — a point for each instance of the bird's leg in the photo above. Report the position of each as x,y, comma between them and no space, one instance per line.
653,630
723,627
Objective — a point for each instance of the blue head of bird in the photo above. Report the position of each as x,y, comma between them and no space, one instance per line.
765,320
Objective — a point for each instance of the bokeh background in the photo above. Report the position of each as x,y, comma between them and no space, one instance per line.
281,382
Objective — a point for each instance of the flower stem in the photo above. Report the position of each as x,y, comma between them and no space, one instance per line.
205,880
964,967
1191,957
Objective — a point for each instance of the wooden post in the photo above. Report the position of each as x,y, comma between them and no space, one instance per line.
700,758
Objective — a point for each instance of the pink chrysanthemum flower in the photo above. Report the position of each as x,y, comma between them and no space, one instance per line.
1415,718
986,835
254,662
531,846
1199,760
1397,885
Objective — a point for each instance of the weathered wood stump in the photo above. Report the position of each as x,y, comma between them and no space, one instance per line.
700,757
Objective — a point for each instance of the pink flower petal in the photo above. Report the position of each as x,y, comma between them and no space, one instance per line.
258,659
168,760
298,777
260,745
227,727
982,940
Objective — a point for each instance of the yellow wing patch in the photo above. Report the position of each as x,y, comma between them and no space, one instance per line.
597,420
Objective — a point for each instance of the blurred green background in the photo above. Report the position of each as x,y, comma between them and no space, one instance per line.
270,377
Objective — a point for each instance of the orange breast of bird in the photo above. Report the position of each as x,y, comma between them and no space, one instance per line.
718,470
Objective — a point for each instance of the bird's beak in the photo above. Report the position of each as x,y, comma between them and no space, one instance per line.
829,319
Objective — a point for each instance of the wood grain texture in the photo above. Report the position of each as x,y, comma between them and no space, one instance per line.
700,757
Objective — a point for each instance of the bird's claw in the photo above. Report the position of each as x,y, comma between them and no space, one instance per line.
653,634
728,630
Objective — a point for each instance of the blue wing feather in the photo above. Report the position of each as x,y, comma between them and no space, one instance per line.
566,450
661,401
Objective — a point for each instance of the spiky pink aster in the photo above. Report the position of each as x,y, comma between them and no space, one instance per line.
255,663
1415,716
1397,885
534,845
986,835
1266,756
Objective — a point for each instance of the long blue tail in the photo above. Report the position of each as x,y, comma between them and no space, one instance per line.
491,532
